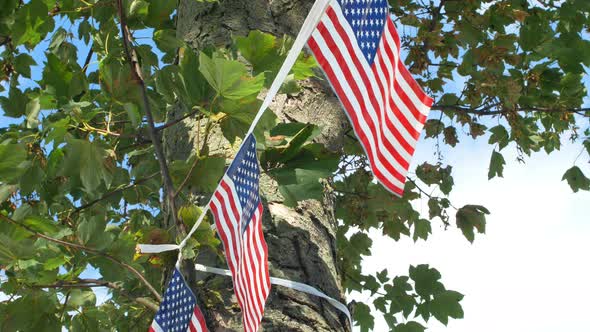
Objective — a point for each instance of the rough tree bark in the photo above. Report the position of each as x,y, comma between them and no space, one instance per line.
301,241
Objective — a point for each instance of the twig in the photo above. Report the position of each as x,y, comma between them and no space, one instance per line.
63,309
88,58
136,71
175,121
109,194
86,249
187,177
469,110
89,283
435,16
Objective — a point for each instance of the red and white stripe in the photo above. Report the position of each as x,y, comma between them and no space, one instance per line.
197,322
386,106
246,254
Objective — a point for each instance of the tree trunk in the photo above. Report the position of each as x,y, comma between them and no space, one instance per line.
301,241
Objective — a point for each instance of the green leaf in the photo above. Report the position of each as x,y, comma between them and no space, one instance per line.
170,84
409,327
576,179
81,298
422,229
205,175
470,218
41,224
88,161
55,262
195,83
159,12
433,127
6,191
499,136
426,280
586,144
189,214
362,317
32,112
133,113
496,165
34,311
445,305
14,249
23,63
293,136
15,105
13,161
32,24
84,30
382,276
266,53
229,78
302,180
260,49
240,114
117,80
436,174
61,80
91,232
166,40
450,136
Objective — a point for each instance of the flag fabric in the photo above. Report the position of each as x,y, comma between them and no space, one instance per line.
178,311
358,48
237,209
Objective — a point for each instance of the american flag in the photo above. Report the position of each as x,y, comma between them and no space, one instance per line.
178,311
237,209
358,48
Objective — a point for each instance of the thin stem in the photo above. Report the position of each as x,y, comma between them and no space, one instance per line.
175,121
89,283
132,58
86,249
485,111
187,177
88,58
112,193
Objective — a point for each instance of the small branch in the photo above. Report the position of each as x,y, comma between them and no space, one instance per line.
86,249
63,309
89,283
188,175
175,121
136,71
484,111
416,185
114,192
88,58
436,13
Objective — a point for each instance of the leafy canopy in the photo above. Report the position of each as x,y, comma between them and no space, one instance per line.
80,185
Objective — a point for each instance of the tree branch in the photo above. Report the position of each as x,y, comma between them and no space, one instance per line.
484,111
426,45
112,193
89,283
136,71
188,175
175,121
86,249
88,58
